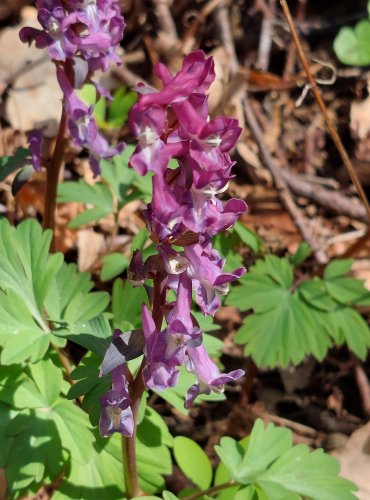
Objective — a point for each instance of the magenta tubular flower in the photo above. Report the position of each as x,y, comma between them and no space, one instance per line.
181,327
209,281
161,370
195,77
208,374
151,153
164,212
35,139
81,36
182,217
60,40
82,126
116,414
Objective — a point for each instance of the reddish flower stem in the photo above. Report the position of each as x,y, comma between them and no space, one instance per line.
52,176
136,392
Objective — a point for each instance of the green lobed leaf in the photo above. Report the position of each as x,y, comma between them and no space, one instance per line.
337,267
153,430
283,335
352,45
251,239
153,463
9,164
70,301
71,421
347,290
348,326
126,305
268,461
120,106
94,334
85,306
21,337
90,385
303,252
316,294
193,461
100,478
113,265
119,176
25,265
98,195
34,451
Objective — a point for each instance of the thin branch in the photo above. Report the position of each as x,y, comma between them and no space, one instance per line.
329,123
280,183
265,41
65,363
332,200
164,18
363,386
128,77
292,49
222,16
52,176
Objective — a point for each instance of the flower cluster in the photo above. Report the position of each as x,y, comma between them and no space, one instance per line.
182,218
81,36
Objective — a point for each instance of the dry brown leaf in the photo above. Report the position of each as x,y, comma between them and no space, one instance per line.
361,271
90,246
222,70
360,119
354,459
34,100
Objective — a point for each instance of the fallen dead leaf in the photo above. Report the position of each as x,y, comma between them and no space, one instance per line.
354,460
90,246
34,99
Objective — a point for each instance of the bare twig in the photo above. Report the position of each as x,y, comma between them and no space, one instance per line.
363,387
52,177
332,200
223,20
344,237
292,49
265,41
164,18
329,123
281,185
128,77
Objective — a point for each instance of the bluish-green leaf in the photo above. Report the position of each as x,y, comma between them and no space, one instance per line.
352,45
9,164
193,461
303,251
113,265
271,464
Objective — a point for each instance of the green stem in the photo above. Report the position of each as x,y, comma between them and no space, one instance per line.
210,491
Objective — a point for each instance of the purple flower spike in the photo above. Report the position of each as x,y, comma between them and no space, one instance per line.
209,376
206,272
35,139
164,213
196,75
151,153
59,39
116,414
83,128
160,371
